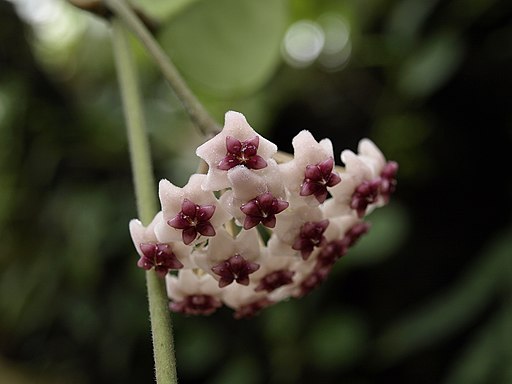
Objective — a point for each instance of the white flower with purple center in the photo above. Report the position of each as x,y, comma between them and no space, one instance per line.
237,145
260,227
162,257
311,172
189,213
253,198
193,293
230,259
368,181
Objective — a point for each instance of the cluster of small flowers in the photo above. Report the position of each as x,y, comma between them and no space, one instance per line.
252,231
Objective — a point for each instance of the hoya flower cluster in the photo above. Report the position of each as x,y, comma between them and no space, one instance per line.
252,231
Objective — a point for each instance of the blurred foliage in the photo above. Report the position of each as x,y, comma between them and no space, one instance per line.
203,45
424,297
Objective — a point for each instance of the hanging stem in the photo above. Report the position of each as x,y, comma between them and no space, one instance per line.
193,107
161,327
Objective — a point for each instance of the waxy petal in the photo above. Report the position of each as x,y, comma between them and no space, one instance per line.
333,179
233,145
237,144
188,208
251,222
251,208
178,222
205,212
236,268
313,172
205,229
189,235
256,162
269,221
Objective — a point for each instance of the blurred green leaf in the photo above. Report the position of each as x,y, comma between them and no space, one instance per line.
431,65
283,321
162,9
407,19
239,369
199,347
389,229
14,373
410,151
336,340
483,359
227,46
452,310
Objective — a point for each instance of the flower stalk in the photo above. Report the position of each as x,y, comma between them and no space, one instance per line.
198,114
161,326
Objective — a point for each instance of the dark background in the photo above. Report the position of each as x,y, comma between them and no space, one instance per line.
424,298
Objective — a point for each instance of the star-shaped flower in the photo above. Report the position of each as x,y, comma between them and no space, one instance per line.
188,212
248,184
317,178
228,259
388,180
311,235
158,256
236,145
236,268
253,308
192,293
275,280
277,274
289,225
311,171
162,257
263,209
368,180
365,194
359,170
249,189
193,219
312,281
244,300
242,153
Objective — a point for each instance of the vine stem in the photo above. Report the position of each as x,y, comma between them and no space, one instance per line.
198,114
161,326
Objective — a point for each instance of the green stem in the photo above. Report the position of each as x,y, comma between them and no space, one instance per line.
193,107
161,327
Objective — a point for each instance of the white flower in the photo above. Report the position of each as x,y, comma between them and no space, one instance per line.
188,212
251,232
231,260
192,293
311,171
155,254
255,198
361,189
237,144
291,221
371,155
